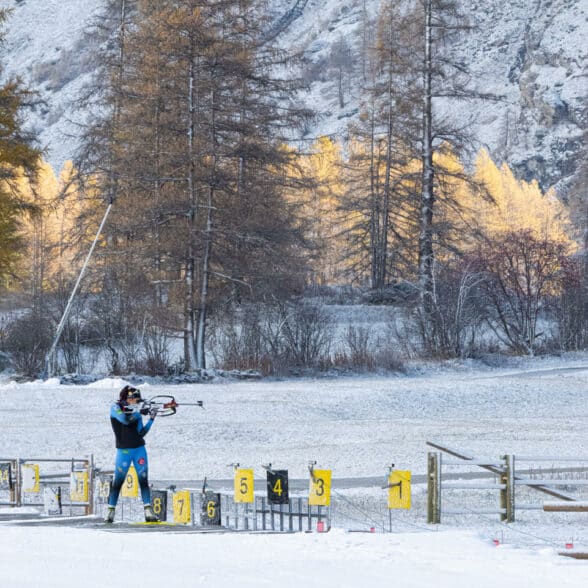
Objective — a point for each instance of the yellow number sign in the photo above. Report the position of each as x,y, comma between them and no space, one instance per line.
130,487
277,487
182,508
399,489
244,485
30,478
103,487
78,486
320,488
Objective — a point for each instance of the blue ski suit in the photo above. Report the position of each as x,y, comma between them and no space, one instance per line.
129,431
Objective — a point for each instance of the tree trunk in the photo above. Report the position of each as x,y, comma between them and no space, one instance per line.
383,265
203,302
190,358
426,257
375,206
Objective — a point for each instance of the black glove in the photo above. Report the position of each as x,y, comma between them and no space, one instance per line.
144,411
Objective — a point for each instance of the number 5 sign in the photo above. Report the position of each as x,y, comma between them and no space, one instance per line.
244,485
320,488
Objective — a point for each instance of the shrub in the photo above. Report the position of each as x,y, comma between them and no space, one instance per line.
28,339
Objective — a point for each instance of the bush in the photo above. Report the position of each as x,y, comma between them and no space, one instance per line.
308,334
28,339
523,273
273,338
571,308
456,314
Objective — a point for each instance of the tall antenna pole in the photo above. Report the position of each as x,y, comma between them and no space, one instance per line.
50,357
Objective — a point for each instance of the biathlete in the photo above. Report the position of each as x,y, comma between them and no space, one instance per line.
129,432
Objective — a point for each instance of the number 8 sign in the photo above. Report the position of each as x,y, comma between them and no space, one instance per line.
159,504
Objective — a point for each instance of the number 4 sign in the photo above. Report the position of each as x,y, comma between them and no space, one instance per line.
277,486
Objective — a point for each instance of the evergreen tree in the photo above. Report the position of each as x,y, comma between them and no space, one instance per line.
18,156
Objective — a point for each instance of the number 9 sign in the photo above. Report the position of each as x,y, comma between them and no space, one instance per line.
130,488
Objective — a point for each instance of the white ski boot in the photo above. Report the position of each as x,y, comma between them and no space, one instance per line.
150,515
109,518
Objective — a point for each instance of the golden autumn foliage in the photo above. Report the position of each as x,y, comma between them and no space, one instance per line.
487,203
321,203
49,230
518,205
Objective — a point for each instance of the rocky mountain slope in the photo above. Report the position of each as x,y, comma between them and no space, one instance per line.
531,52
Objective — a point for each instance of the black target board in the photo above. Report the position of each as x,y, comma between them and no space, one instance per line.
277,486
210,515
159,504
5,476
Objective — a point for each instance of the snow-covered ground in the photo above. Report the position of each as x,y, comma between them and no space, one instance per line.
355,426
60,558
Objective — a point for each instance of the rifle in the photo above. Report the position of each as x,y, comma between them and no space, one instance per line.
166,405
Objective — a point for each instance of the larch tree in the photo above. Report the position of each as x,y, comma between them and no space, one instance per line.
201,210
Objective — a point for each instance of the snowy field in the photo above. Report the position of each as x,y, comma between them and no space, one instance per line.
355,426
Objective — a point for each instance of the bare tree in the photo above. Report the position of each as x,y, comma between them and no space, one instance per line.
521,272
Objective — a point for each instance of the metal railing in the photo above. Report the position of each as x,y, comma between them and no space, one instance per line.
45,473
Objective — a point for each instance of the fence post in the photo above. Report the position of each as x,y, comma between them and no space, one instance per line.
13,482
434,487
507,495
18,482
90,469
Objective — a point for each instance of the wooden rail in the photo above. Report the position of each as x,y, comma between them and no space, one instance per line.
574,554
577,506
499,471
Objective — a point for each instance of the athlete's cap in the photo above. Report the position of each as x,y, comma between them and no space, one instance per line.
129,392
